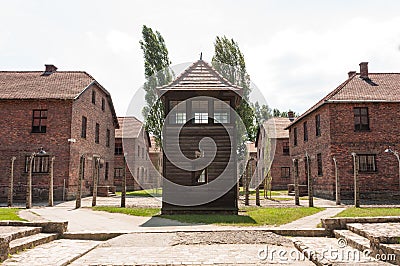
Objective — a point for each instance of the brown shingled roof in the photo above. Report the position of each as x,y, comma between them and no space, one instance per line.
379,87
275,127
35,85
64,85
200,76
129,127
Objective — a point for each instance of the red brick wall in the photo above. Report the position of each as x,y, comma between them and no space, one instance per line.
17,140
83,106
339,140
280,160
323,185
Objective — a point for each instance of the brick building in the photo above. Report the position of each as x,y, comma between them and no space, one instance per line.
68,114
360,116
132,140
273,138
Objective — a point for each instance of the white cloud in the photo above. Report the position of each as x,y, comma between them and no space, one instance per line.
121,42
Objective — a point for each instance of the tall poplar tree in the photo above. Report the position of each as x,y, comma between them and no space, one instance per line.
157,73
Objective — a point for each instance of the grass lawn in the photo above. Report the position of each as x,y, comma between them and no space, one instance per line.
369,212
144,193
10,214
251,216
147,212
273,193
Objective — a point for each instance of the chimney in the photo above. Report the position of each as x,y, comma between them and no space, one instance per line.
291,116
364,70
351,73
49,69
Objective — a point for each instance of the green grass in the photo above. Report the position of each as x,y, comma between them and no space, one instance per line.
147,212
369,212
144,193
252,216
273,193
10,214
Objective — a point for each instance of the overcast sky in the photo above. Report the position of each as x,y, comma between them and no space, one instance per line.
296,51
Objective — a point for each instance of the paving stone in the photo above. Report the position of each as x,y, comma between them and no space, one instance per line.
57,253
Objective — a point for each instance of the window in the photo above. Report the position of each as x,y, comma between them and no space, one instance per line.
108,138
318,125
97,134
84,126
118,148
305,131
83,162
319,163
221,112
142,153
361,119
295,136
40,164
285,145
103,104
366,163
285,172
118,172
137,173
200,111
39,121
177,112
94,97
138,151
296,168
106,171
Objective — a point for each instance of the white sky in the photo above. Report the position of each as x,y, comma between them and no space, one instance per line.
296,51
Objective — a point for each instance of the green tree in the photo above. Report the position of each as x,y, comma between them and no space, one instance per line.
157,73
229,61
262,113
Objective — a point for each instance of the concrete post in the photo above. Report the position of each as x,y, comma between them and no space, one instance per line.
29,183
11,184
296,184
95,180
123,194
337,186
78,202
356,189
51,185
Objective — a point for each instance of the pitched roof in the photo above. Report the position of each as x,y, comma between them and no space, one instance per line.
275,127
62,85
130,127
35,85
200,76
378,87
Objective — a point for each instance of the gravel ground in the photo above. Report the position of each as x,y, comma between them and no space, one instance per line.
230,237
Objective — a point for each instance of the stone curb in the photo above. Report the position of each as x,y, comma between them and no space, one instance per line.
340,223
47,226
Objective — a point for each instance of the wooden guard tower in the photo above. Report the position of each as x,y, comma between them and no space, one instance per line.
201,103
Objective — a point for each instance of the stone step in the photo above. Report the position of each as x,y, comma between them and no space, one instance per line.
19,231
31,241
352,239
59,252
324,251
389,252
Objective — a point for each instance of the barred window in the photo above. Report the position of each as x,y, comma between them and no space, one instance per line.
200,111
367,163
318,125
319,162
295,136
40,164
84,127
286,148
118,172
97,134
285,172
